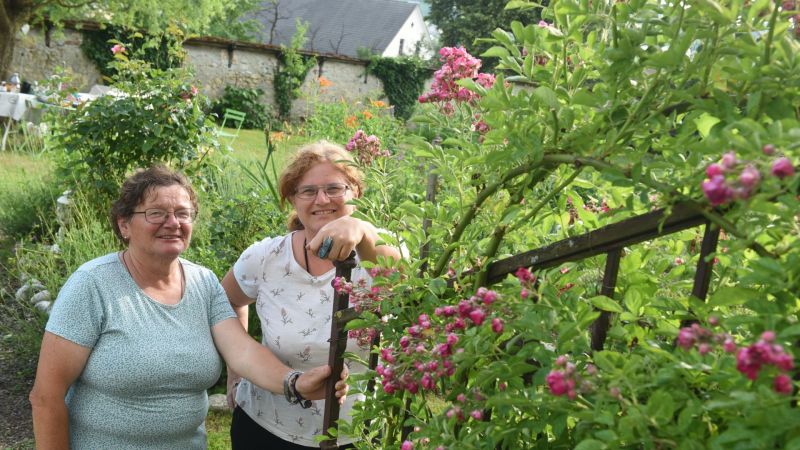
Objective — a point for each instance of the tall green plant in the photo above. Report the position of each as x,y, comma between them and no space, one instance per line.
292,71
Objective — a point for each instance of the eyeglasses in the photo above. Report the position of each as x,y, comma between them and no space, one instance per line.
333,190
159,216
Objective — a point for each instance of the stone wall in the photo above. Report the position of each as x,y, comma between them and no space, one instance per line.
214,66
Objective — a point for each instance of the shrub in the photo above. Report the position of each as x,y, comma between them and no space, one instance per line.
245,100
156,118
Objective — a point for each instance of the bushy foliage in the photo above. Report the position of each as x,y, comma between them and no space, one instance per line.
591,120
403,80
337,121
162,51
156,116
246,100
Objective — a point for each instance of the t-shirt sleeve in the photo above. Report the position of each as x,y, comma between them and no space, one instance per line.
220,309
78,314
250,266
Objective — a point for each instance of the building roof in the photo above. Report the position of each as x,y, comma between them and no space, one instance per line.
336,26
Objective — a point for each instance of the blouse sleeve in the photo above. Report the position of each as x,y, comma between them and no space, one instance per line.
78,313
249,268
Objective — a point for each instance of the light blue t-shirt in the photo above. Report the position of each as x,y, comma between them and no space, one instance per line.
144,384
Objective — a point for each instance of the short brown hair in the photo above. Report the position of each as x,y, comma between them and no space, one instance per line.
307,157
138,186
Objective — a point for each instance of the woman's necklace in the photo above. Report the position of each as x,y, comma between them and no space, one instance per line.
183,278
305,255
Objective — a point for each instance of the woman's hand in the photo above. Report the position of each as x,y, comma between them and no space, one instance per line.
348,234
311,384
233,384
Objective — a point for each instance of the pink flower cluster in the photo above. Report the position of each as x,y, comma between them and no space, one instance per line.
457,64
426,351
726,181
367,148
750,360
118,48
364,298
464,403
704,339
527,280
565,379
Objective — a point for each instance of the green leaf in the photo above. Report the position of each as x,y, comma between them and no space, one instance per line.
496,52
661,407
606,304
704,123
729,296
547,96
591,444
790,332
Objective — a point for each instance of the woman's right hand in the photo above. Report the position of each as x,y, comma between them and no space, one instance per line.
311,384
233,385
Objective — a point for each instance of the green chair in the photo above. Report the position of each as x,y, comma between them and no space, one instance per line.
233,119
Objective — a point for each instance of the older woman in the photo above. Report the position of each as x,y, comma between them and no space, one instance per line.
133,339
289,278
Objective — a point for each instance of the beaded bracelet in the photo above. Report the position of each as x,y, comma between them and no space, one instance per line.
290,390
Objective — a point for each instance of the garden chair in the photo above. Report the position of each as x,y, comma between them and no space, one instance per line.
233,119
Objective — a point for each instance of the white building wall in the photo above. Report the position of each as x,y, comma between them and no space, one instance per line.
413,30
250,67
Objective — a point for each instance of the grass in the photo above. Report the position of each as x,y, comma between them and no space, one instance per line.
218,424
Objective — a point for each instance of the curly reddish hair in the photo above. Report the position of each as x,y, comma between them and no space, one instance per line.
307,157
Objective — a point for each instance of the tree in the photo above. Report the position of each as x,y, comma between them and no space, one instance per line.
150,15
461,22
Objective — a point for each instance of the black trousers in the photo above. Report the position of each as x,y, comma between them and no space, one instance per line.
247,434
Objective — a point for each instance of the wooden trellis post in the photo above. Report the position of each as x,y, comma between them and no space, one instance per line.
340,315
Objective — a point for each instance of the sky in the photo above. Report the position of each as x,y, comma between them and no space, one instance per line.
422,4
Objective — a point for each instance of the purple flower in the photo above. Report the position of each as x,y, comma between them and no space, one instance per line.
717,190
713,170
728,160
783,384
782,168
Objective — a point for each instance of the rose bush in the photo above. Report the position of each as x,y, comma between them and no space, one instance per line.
603,111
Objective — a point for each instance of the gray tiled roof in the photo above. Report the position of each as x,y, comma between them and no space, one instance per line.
337,26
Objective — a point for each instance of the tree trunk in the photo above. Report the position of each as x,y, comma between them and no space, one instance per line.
13,13
6,51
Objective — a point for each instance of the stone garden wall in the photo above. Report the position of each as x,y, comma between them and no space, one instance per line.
216,63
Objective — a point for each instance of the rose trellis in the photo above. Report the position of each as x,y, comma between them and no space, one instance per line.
607,125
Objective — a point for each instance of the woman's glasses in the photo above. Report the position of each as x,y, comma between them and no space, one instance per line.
159,216
332,190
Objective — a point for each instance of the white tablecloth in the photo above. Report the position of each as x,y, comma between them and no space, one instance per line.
14,105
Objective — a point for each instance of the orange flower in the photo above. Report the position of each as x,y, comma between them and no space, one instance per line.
324,82
367,114
378,103
277,136
351,121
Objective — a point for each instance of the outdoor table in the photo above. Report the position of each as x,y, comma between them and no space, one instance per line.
13,106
